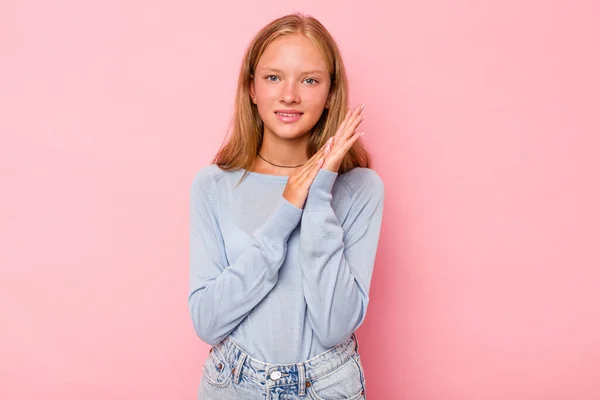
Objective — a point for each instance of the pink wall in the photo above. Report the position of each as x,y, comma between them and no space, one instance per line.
483,119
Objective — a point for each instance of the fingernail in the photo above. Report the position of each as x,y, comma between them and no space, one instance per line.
362,107
329,140
362,133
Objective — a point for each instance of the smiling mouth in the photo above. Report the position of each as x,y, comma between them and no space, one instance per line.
288,114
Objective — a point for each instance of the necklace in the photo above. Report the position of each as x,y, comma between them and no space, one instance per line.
280,166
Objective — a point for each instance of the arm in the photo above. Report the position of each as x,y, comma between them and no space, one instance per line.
337,260
222,295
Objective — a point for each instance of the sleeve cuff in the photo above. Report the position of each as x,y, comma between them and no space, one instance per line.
282,221
319,194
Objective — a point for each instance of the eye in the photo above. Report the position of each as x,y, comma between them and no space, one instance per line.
311,81
272,78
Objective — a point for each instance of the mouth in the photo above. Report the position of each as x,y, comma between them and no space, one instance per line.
288,116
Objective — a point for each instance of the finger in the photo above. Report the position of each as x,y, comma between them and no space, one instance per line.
308,175
315,157
342,126
306,168
342,148
347,134
324,149
301,175
323,152
347,118
350,142
357,111
328,143
313,172
357,122
354,118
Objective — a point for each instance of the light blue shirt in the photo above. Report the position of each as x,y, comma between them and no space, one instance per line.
283,283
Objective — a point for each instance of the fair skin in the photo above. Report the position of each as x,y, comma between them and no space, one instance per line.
290,89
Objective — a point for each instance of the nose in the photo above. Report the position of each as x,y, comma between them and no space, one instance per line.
289,93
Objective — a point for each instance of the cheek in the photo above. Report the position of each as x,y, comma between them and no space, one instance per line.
316,100
264,97
265,92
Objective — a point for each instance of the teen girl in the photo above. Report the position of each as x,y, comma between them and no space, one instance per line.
284,228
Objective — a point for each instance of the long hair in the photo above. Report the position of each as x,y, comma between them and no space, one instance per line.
246,133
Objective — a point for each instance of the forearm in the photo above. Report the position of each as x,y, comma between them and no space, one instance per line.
336,301
221,297
337,259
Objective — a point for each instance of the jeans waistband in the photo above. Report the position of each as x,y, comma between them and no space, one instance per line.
284,374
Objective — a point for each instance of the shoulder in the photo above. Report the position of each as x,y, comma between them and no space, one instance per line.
210,175
363,183
206,180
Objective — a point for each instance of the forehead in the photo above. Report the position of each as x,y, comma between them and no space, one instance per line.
292,52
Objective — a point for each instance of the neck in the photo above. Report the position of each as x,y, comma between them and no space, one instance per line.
282,152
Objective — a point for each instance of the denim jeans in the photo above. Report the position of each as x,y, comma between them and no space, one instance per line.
230,374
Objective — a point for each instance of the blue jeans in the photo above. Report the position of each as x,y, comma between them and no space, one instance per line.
230,374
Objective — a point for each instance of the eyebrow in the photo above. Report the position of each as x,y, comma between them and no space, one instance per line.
313,71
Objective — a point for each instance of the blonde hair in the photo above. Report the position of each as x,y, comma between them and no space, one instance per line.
246,134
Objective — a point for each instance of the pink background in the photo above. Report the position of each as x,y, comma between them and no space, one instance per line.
483,118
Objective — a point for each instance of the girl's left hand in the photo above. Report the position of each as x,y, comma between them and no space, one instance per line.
344,138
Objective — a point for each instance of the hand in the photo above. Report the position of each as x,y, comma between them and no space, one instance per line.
296,189
344,138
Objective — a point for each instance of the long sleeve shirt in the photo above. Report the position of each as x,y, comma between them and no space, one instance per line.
284,283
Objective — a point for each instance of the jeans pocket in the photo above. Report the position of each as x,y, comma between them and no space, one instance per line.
344,382
217,371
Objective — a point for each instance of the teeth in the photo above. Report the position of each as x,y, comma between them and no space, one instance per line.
288,115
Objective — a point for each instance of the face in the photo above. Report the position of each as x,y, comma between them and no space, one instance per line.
290,87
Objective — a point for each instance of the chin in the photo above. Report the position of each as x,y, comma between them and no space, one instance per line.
289,131
290,135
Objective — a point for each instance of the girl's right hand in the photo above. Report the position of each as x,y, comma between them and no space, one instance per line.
296,190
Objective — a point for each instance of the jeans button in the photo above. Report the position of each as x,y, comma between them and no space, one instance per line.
275,375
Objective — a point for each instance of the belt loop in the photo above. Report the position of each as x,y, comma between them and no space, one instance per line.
238,368
355,340
301,380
